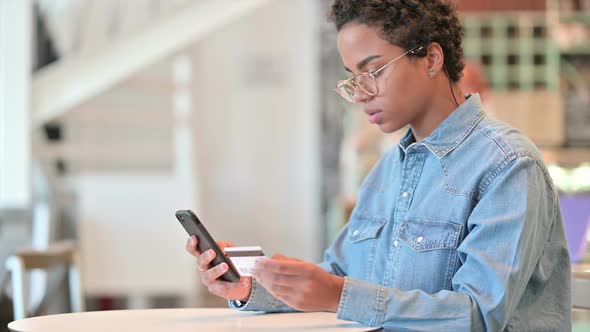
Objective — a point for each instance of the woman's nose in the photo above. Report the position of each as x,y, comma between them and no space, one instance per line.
360,96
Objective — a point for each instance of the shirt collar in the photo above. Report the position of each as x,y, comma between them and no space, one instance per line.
453,130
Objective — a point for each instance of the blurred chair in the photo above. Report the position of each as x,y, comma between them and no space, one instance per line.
581,286
62,253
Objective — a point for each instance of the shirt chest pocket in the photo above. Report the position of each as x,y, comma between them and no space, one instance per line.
363,236
365,228
429,256
423,235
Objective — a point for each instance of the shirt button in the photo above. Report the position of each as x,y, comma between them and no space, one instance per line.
405,194
419,239
395,243
356,233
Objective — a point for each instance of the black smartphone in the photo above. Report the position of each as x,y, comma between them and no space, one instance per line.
193,226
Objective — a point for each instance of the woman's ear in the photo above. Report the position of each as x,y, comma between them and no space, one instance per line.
435,60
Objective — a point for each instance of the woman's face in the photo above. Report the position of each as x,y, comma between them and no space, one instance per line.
403,86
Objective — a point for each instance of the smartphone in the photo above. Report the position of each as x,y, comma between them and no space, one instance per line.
193,226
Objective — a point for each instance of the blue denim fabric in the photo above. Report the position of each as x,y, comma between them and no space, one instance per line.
459,232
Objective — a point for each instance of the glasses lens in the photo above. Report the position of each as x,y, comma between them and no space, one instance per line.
346,90
364,82
367,84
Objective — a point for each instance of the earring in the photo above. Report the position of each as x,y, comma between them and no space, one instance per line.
431,74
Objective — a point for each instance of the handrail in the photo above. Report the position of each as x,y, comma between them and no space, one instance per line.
59,87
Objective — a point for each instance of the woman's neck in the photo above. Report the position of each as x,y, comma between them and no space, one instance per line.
440,107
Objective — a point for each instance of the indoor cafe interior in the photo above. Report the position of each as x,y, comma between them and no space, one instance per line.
114,114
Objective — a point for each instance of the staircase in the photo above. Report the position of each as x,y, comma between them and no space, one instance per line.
128,128
112,119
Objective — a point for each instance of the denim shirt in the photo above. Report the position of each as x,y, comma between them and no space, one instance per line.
461,231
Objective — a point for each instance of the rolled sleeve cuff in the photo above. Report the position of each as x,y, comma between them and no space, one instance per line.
361,301
259,300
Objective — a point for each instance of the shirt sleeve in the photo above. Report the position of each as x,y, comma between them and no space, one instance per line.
507,232
261,300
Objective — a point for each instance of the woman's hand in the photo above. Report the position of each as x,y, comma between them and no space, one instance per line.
209,275
303,286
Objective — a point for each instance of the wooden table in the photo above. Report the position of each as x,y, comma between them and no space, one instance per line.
171,320
581,271
581,286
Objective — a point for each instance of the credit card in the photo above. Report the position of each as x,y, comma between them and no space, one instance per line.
244,258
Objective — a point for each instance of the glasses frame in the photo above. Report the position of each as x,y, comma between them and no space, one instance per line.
371,75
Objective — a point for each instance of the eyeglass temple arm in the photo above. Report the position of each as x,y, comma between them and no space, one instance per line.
412,50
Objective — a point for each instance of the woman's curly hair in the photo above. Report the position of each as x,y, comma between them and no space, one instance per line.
409,23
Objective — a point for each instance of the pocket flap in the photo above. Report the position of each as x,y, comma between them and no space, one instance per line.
363,227
425,235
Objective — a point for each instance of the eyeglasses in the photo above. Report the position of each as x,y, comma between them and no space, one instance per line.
366,81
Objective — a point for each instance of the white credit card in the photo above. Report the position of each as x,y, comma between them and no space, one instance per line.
244,258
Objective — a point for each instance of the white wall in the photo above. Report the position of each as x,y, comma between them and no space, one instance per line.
130,241
15,77
257,129
256,162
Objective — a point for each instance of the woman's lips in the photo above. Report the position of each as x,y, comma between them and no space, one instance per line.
376,117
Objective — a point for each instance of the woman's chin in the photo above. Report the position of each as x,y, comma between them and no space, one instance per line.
389,127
